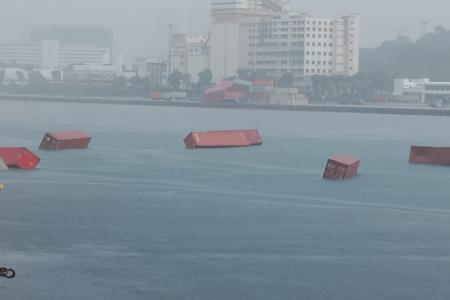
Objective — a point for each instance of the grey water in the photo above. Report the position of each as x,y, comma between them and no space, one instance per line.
139,216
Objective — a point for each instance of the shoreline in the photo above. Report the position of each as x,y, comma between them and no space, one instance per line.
370,109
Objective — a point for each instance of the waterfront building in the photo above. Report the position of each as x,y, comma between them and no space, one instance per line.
265,35
50,54
280,41
90,74
155,69
190,54
423,90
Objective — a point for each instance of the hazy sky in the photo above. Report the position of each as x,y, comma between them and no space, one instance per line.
140,26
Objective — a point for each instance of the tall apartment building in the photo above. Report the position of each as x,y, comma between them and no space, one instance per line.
277,41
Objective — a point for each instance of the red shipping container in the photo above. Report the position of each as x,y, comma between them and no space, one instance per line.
263,82
430,155
252,135
235,95
65,140
341,166
215,139
18,157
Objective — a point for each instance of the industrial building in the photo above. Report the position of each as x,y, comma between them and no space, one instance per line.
421,90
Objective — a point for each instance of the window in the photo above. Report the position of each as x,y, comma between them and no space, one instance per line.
313,62
330,63
307,52
324,62
313,52
314,29
307,28
313,43
307,62
313,35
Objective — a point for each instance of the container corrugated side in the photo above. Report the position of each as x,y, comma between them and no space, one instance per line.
215,139
430,155
252,135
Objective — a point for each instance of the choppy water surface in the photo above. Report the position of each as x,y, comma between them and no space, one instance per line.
138,216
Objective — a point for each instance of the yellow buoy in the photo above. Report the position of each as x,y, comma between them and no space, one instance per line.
1,186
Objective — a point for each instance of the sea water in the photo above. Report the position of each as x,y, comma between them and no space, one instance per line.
139,216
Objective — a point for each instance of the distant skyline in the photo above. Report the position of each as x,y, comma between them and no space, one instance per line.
140,27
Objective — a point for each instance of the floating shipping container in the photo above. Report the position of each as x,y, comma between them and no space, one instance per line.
17,157
3,166
217,139
65,140
252,135
430,155
341,166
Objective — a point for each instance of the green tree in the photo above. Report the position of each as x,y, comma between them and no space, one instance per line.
186,80
287,80
205,79
175,79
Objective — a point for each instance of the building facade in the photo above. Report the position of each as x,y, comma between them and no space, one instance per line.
155,69
290,42
422,90
264,35
50,54
189,54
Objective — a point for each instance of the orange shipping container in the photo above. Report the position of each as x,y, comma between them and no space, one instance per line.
252,135
341,166
214,139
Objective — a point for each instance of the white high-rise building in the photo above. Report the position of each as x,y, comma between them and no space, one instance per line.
277,41
265,35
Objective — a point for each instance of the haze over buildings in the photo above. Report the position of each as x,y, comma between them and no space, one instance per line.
140,27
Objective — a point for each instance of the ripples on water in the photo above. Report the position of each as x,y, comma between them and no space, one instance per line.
138,216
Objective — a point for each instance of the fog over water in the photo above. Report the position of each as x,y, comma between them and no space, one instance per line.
139,216
140,27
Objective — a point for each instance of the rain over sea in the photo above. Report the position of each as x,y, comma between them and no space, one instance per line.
139,216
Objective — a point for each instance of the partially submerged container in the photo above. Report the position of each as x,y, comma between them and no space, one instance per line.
18,157
65,140
341,166
216,139
252,135
3,166
430,155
